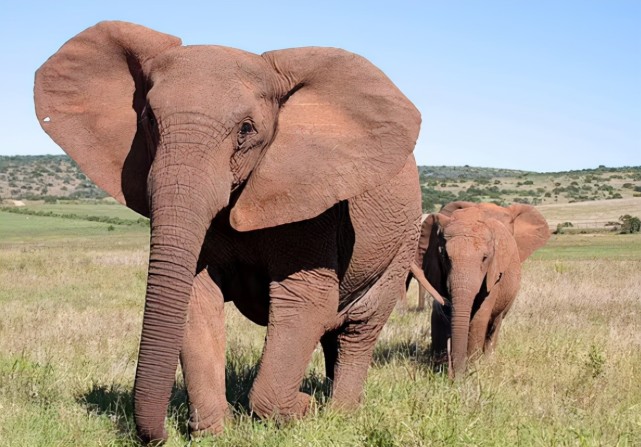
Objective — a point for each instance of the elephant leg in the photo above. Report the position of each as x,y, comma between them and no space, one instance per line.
302,306
203,357
479,327
440,332
358,335
355,347
493,334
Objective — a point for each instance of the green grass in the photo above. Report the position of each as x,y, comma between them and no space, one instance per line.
103,209
22,228
591,246
566,371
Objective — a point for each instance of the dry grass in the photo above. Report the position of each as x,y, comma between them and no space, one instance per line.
566,371
593,211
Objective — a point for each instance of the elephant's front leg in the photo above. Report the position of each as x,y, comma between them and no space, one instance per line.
203,357
479,326
493,334
302,306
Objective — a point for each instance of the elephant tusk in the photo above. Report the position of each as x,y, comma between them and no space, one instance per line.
422,280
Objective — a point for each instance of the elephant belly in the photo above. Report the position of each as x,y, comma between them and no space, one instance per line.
248,288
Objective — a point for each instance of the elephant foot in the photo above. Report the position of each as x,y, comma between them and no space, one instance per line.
265,409
211,425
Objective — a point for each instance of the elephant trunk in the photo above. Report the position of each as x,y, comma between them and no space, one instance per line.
181,214
462,299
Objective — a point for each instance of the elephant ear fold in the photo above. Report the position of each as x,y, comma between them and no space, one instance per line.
448,209
531,230
344,128
89,96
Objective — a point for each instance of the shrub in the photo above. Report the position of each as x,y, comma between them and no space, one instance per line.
560,227
630,224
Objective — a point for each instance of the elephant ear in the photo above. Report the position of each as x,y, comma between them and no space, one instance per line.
505,252
88,98
424,240
531,230
427,255
449,208
343,129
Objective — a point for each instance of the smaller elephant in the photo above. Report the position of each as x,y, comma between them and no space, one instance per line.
472,255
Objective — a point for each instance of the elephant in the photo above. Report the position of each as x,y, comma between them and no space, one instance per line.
270,180
471,255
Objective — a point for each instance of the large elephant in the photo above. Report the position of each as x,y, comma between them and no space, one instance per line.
271,180
472,254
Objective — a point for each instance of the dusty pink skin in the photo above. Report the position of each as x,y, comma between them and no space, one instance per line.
284,182
472,255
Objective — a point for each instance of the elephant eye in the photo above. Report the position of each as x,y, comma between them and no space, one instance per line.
149,114
246,128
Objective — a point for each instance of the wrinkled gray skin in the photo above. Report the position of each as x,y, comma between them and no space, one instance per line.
472,255
237,159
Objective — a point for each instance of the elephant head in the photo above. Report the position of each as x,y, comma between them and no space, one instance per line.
179,133
469,249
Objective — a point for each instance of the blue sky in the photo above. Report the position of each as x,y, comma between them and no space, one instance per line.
534,85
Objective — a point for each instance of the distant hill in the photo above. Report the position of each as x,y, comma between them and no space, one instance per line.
37,177
53,177
444,184
467,172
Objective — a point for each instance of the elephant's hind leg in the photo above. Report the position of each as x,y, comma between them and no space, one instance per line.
203,357
356,338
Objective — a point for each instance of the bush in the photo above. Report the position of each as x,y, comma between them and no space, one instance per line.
561,227
630,224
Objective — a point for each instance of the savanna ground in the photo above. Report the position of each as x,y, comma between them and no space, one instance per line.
566,372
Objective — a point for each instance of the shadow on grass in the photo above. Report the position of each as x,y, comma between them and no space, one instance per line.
404,350
116,401
239,380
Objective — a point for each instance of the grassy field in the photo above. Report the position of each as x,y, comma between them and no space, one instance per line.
566,372
587,213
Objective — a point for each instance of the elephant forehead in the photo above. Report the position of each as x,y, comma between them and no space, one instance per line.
471,231
210,70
